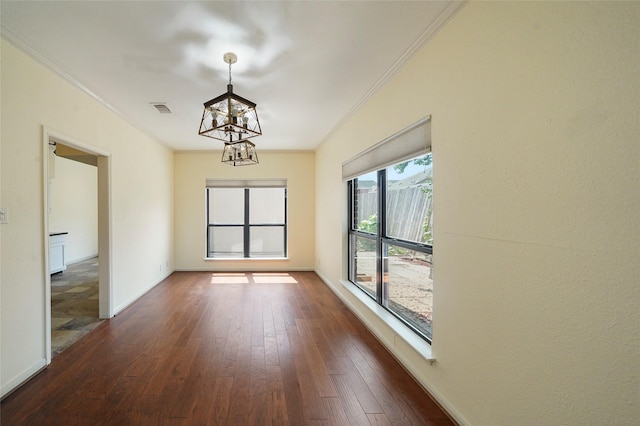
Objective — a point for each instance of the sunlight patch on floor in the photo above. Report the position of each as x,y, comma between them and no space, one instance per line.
252,277
274,279
229,279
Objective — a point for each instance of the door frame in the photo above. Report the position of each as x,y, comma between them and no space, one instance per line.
104,227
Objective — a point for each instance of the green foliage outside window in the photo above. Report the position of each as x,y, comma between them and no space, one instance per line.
371,226
426,227
422,161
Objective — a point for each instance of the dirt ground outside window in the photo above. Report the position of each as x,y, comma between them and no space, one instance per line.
410,286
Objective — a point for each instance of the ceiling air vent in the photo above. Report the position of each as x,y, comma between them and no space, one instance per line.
161,107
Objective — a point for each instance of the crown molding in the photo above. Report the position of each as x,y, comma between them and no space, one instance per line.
25,48
447,14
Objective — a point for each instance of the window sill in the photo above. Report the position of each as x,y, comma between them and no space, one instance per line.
246,258
398,328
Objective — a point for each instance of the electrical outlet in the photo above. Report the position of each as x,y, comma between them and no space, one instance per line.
4,215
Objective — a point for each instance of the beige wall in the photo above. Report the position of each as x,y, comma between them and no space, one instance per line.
191,172
536,203
73,207
141,203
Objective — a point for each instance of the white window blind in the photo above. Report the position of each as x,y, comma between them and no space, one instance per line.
408,143
247,183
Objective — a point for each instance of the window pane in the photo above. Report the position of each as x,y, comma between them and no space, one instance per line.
364,263
266,206
226,206
409,200
226,241
365,203
267,241
410,286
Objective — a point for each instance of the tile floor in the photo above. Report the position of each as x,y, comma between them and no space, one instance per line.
74,304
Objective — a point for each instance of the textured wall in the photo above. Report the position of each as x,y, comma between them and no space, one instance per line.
535,126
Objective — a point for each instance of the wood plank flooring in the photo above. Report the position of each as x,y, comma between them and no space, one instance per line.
226,349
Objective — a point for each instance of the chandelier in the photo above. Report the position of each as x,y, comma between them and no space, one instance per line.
232,119
239,153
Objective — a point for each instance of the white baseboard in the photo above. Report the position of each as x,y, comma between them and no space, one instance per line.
22,378
124,306
80,259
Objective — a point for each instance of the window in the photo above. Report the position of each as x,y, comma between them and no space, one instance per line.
390,229
246,219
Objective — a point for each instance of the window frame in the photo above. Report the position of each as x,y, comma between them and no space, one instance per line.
246,224
380,238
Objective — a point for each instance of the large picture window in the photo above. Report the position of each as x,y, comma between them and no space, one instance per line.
246,219
391,228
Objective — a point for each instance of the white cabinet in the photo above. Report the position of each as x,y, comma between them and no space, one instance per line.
57,249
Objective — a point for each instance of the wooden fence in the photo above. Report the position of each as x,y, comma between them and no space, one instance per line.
411,207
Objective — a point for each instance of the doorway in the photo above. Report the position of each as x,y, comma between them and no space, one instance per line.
57,147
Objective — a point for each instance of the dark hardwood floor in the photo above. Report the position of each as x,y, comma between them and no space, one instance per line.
226,349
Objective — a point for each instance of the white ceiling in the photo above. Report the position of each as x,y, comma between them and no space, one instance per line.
307,65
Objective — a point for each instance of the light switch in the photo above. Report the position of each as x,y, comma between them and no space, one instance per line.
4,215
